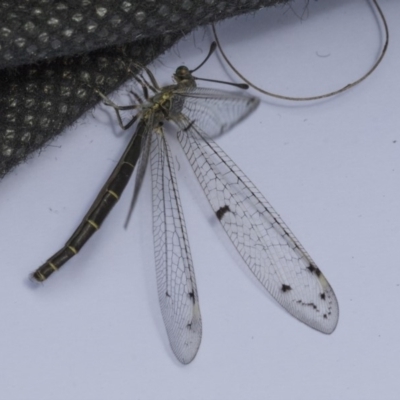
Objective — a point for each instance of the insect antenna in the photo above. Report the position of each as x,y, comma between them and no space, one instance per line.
212,49
238,85
210,52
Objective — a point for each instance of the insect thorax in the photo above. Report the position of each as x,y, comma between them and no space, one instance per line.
167,104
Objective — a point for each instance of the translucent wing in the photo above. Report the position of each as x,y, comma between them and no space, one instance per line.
143,161
175,275
214,111
266,244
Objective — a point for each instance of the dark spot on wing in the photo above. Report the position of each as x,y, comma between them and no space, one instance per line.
167,294
285,288
322,295
222,211
312,305
189,126
191,297
325,316
314,270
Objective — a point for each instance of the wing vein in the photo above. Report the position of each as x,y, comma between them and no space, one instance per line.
266,244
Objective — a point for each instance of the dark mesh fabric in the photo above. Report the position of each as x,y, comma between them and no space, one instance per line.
52,53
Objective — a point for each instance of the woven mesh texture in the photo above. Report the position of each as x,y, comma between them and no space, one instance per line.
53,53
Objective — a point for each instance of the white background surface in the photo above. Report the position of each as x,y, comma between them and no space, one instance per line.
330,168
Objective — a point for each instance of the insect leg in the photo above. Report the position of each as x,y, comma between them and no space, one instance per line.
155,87
143,85
117,109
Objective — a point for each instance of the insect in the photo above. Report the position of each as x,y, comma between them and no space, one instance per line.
266,244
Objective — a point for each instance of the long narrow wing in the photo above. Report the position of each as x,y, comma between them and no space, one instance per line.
214,111
143,161
266,244
176,282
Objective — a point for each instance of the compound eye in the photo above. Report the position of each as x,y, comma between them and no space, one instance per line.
182,72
